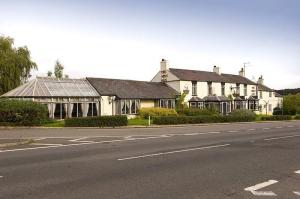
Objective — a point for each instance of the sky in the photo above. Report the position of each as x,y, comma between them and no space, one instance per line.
128,38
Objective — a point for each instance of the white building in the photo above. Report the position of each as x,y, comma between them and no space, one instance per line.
226,92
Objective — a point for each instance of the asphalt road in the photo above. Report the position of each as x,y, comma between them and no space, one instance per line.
250,160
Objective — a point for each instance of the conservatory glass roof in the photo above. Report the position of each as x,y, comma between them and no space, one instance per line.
54,87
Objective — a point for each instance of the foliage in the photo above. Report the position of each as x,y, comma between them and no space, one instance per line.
297,117
288,91
15,65
58,69
243,113
180,103
291,104
54,123
278,111
196,112
200,119
153,112
24,113
276,117
49,73
138,122
101,121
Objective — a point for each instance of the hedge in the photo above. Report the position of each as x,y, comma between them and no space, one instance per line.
196,112
154,112
276,117
297,117
22,113
101,121
200,119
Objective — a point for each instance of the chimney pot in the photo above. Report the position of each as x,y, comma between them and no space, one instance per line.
216,70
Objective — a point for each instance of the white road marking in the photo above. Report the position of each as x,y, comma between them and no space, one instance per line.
78,139
284,137
232,131
279,127
214,132
47,144
251,129
266,128
254,189
1,176
298,172
297,193
172,152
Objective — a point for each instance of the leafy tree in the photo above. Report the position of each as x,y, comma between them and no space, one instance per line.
49,73
58,69
180,104
15,64
291,104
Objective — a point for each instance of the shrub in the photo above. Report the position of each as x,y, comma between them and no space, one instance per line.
297,117
197,112
101,121
277,111
200,119
276,117
22,113
154,112
243,113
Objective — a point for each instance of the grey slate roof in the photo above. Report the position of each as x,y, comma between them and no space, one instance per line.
130,89
53,87
205,76
262,87
214,98
196,99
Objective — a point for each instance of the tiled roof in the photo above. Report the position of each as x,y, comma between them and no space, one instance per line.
196,99
262,87
54,87
130,89
205,76
214,98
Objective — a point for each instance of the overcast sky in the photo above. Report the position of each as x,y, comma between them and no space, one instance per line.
127,38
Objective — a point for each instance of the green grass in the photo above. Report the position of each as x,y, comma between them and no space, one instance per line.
138,122
55,123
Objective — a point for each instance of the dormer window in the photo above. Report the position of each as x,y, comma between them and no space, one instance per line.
194,88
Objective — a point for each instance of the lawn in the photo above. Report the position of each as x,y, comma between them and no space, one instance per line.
54,123
138,122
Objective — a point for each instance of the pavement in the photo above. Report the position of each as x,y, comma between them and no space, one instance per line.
242,161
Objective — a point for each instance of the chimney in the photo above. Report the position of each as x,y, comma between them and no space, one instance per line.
217,70
260,80
164,67
242,72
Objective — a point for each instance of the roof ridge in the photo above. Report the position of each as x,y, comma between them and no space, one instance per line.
131,80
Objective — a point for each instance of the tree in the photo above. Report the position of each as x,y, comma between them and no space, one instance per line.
58,69
49,73
15,65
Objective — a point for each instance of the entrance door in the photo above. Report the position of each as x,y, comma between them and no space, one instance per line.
224,108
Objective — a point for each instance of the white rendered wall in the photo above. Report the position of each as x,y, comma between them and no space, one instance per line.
267,100
147,104
106,107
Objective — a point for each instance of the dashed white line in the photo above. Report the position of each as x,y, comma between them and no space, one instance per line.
172,152
232,131
1,176
251,129
214,132
284,137
279,127
254,189
298,172
297,193
266,128
47,144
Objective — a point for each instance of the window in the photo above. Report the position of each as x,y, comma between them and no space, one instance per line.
194,88
167,103
200,105
245,90
238,89
209,88
260,94
129,106
270,94
223,89
270,107
193,105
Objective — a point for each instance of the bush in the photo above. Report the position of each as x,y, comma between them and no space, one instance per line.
243,113
276,117
154,112
101,121
197,112
297,117
22,113
277,111
200,119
